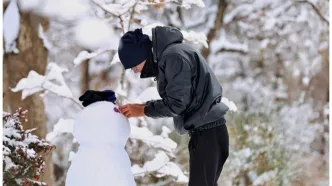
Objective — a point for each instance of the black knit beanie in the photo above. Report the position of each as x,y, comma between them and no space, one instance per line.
134,48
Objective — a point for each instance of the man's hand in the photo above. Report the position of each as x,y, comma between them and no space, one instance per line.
132,110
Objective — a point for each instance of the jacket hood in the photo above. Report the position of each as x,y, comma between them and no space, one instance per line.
162,37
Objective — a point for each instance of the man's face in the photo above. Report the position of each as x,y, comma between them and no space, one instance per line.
138,68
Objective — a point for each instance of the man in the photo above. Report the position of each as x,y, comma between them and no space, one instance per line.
190,94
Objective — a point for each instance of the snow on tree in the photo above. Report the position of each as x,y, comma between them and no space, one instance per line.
35,83
266,55
22,152
11,25
52,82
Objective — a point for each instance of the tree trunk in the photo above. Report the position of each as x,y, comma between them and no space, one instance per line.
32,56
217,24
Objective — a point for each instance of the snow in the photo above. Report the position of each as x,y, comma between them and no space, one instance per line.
224,43
195,37
31,153
94,34
47,44
121,92
187,3
148,94
65,10
157,163
175,171
118,9
147,29
28,5
11,27
156,141
165,131
30,84
239,10
8,162
115,59
160,160
71,155
35,83
266,176
85,55
62,126
231,105
189,36
305,81
101,158
266,28
162,165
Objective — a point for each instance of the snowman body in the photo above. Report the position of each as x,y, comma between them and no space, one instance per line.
101,160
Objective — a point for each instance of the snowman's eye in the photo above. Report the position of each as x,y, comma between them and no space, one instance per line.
116,110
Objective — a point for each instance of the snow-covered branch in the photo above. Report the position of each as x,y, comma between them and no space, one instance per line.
52,82
157,141
85,55
319,13
160,166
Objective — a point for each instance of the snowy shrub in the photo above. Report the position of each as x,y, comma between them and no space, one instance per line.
22,152
257,156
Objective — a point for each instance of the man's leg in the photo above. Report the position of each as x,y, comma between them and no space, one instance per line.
208,150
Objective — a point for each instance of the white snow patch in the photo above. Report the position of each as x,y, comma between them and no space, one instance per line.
93,34
35,82
231,105
145,135
62,126
11,27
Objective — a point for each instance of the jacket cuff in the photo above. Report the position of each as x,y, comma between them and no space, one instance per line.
148,109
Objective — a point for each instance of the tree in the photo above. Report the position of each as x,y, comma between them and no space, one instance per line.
32,56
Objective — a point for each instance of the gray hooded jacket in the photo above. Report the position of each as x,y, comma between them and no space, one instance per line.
189,89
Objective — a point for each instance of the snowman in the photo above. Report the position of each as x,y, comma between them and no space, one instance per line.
101,160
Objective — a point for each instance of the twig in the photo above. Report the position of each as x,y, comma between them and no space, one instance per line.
151,3
232,50
70,98
132,15
324,19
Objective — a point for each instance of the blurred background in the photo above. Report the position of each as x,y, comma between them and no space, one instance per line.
270,56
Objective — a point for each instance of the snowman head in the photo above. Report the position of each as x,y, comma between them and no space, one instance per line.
101,123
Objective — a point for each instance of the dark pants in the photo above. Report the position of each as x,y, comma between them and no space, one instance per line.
208,150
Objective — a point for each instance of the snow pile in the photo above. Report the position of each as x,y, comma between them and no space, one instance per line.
23,163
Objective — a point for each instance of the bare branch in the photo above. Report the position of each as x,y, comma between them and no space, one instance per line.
319,13
242,52
132,15
217,24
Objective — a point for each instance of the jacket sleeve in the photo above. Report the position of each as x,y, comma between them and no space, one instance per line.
178,90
